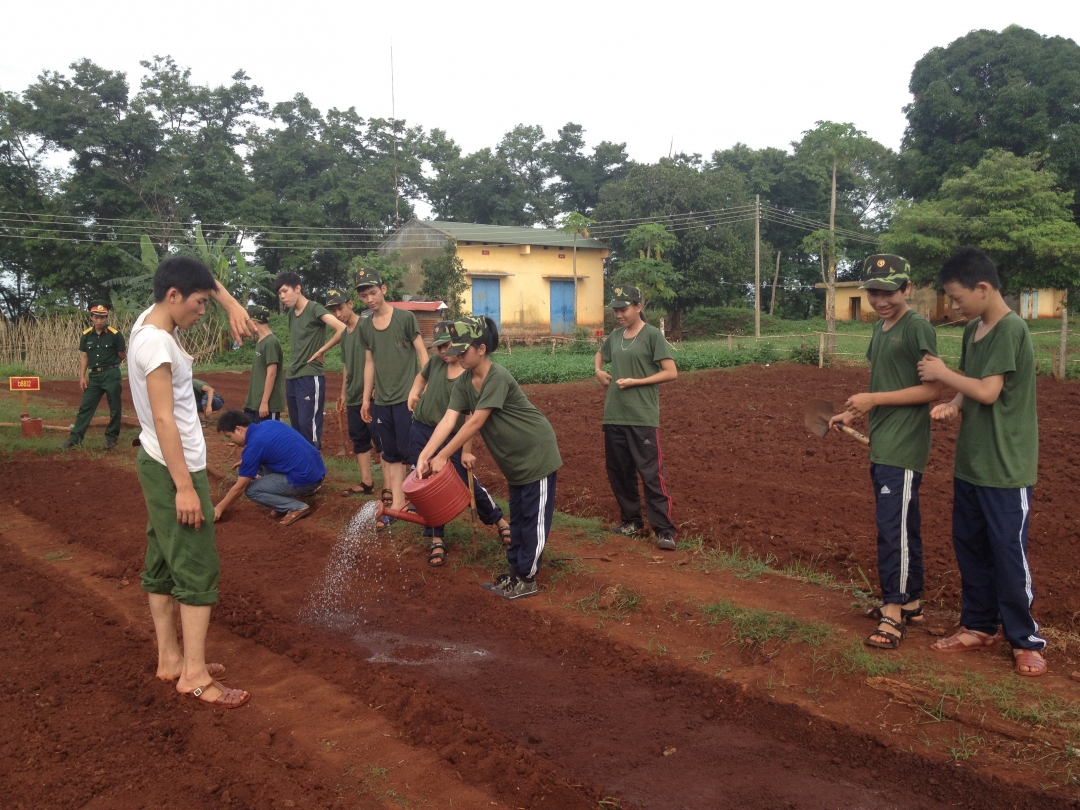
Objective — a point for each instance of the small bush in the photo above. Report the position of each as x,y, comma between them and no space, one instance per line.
807,355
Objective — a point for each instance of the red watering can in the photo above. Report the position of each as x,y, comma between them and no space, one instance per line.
438,499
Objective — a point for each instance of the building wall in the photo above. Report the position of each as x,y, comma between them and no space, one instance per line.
927,301
525,290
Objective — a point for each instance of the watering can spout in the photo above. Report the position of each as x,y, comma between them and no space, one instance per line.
401,514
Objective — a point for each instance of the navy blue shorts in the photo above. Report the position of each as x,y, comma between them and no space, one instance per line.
359,430
393,423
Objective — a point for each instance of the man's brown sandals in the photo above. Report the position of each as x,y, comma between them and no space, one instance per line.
976,641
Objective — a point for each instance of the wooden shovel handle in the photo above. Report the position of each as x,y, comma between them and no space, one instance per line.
855,435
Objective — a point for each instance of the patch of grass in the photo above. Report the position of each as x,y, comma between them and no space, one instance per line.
965,746
613,602
591,529
807,571
745,564
690,543
857,657
57,556
755,626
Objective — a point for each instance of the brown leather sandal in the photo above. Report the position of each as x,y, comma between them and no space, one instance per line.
1032,659
953,644
228,699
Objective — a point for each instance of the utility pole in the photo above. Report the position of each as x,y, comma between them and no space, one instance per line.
830,285
775,278
757,265
393,124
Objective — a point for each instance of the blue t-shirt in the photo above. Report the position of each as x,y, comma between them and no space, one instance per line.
281,449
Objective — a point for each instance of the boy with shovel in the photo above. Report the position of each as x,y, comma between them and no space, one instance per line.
898,406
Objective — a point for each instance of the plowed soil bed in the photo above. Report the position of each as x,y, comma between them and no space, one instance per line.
427,691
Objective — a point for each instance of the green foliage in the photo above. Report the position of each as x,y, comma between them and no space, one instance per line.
1007,206
444,279
389,268
755,626
992,90
806,355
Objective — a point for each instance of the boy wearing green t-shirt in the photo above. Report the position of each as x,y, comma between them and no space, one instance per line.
353,355
640,361
305,382
997,458
899,414
519,438
395,353
266,385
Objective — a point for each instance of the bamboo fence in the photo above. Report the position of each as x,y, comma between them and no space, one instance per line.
49,346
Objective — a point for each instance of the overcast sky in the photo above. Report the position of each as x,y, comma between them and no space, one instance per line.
701,76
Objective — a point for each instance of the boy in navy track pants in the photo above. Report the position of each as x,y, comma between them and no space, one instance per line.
305,381
899,415
997,457
519,438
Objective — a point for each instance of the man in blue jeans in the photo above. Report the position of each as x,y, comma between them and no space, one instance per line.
277,467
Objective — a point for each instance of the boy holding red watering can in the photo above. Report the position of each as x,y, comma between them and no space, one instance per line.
519,438
428,400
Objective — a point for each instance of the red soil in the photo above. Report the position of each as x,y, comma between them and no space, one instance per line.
468,699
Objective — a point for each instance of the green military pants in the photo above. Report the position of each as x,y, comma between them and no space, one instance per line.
101,383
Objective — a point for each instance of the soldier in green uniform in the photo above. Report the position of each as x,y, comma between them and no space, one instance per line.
101,351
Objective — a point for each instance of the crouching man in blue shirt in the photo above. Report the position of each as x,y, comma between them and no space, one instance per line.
277,466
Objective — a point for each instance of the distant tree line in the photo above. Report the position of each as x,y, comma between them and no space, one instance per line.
89,165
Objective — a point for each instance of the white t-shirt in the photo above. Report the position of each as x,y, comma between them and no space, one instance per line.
148,348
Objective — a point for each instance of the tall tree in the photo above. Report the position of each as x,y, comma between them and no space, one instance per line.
1014,90
1007,206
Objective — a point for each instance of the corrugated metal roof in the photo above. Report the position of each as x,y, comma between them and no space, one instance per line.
509,235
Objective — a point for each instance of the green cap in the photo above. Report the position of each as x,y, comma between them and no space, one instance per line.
337,296
367,278
442,333
463,332
884,271
259,313
623,295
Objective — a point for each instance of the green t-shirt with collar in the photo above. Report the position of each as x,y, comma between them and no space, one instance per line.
900,434
998,444
354,356
268,353
307,334
395,358
518,436
638,357
436,397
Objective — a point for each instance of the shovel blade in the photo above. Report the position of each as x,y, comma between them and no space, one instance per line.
817,415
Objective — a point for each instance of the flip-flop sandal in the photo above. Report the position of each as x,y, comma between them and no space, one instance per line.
292,517
437,556
228,699
953,644
504,534
913,617
893,639
359,489
387,497
1032,659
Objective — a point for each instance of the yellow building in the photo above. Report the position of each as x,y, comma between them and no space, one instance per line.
853,305
523,278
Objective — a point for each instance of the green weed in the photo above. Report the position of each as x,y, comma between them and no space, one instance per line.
755,626
806,571
745,564
965,747
858,658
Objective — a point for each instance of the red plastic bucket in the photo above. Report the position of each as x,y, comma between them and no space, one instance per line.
439,498
31,428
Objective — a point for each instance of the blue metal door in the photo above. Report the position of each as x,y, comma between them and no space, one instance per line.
562,307
485,299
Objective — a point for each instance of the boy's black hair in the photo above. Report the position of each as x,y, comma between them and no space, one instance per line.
967,267
187,275
287,279
231,420
490,338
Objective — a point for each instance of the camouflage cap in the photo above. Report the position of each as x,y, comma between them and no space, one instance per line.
885,271
623,295
99,309
259,313
366,277
441,333
463,332
336,297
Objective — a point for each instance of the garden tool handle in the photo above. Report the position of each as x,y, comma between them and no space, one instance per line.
855,435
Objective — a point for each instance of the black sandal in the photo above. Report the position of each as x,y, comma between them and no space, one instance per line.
913,617
437,555
387,497
359,489
504,534
893,639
